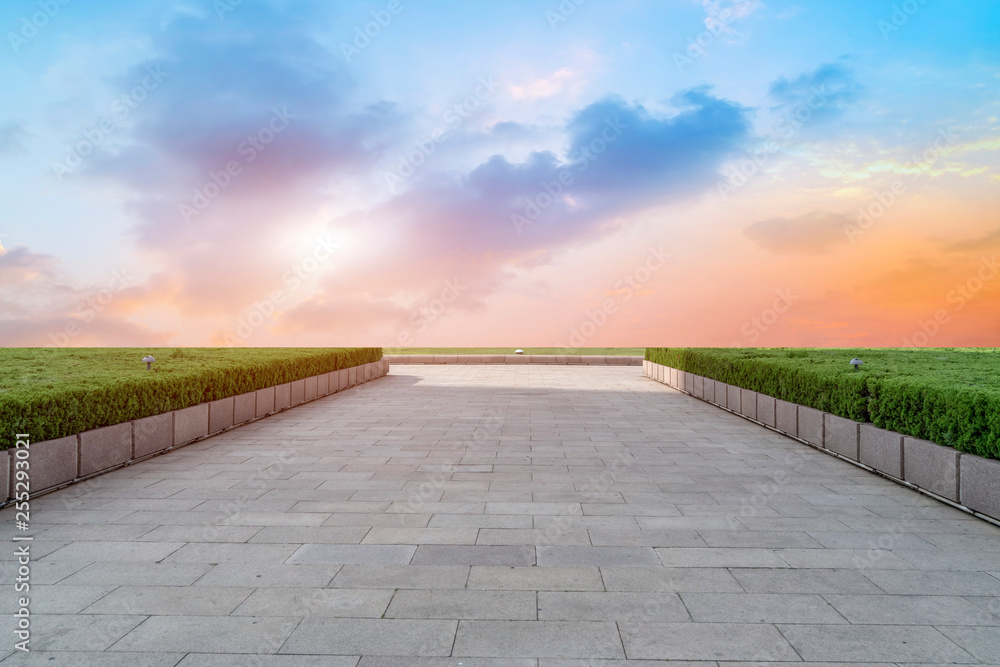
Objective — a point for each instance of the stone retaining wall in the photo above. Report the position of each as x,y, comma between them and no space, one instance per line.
967,480
584,359
55,463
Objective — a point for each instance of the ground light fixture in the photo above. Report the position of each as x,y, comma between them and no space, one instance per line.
518,351
149,362
856,363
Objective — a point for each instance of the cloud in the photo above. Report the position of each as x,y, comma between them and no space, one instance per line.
224,81
39,305
829,91
989,240
12,136
810,234
20,266
559,82
722,13
620,158
226,88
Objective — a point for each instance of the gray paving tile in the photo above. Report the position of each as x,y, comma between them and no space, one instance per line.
673,580
874,643
206,533
708,641
646,538
398,576
79,632
805,581
137,574
311,535
208,634
536,578
390,535
170,601
935,610
215,553
56,599
983,643
474,555
527,639
321,602
217,660
379,661
480,521
463,604
354,554
517,536
760,608
704,557
389,637
115,551
927,582
94,659
610,606
597,556
858,559
268,575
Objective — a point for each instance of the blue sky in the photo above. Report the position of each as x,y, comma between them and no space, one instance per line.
683,93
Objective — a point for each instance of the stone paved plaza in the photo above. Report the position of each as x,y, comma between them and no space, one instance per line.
503,515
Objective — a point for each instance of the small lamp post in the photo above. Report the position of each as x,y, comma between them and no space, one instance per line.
518,351
856,363
149,362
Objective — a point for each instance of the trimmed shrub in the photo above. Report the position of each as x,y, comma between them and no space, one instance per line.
58,392
910,391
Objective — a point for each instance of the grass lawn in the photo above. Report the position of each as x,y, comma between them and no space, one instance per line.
53,392
599,351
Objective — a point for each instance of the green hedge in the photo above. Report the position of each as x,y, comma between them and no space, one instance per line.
51,393
953,400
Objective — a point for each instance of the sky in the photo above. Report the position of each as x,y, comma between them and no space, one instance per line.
582,173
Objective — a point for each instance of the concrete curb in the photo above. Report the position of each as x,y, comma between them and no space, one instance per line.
520,359
64,461
965,481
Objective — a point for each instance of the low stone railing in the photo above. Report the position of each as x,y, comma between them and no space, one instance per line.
583,359
967,481
63,461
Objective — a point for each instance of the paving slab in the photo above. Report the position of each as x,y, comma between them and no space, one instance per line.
464,604
522,515
874,643
541,639
208,634
708,641
392,637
